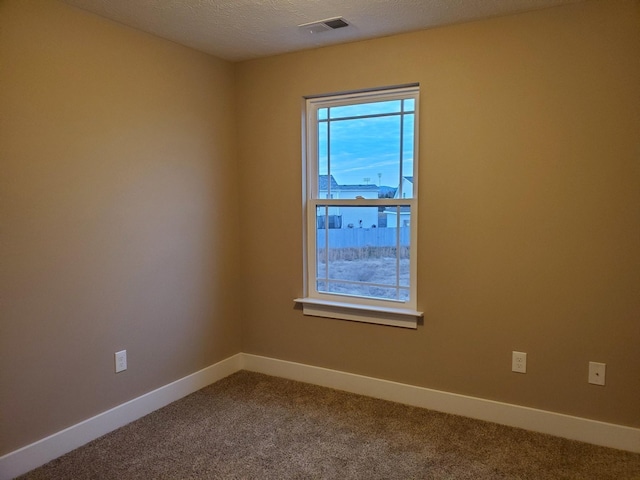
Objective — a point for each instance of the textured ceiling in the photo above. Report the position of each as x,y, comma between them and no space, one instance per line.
243,29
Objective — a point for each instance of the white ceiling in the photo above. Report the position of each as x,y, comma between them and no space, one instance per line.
244,29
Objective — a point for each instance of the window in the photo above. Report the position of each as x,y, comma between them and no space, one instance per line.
361,206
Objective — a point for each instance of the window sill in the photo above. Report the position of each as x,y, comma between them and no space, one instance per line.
396,317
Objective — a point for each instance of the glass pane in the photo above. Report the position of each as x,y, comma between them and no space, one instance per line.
399,217
399,222
409,105
405,242
365,151
323,159
322,214
372,108
357,257
369,150
407,156
322,114
370,291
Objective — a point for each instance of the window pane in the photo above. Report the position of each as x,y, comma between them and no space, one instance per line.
372,108
365,151
407,155
399,222
370,291
323,156
364,261
322,214
399,217
370,150
405,242
409,105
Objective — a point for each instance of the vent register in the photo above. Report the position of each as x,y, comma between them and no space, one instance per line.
324,25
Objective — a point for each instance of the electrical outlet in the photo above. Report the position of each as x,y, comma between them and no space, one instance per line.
596,373
121,361
519,362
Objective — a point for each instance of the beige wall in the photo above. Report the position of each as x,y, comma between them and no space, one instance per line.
119,215
529,215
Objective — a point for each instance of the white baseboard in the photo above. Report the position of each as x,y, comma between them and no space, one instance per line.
32,456
560,425
591,431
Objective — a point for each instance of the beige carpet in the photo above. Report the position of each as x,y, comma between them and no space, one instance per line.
252,426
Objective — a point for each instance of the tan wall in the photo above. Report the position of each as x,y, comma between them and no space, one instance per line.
529,211
119,215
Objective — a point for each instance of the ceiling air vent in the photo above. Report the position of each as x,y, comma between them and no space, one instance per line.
324,25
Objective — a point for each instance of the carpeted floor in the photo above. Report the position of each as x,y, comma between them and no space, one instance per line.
252,426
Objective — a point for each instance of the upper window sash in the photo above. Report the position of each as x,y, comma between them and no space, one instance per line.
316,103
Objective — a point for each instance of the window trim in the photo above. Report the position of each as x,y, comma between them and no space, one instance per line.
386,312
395,317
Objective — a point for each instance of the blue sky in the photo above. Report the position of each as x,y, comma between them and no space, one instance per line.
363,148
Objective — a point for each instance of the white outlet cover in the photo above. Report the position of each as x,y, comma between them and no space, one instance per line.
597,373
519,362
121,361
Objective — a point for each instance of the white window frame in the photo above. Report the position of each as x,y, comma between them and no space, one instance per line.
347,307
